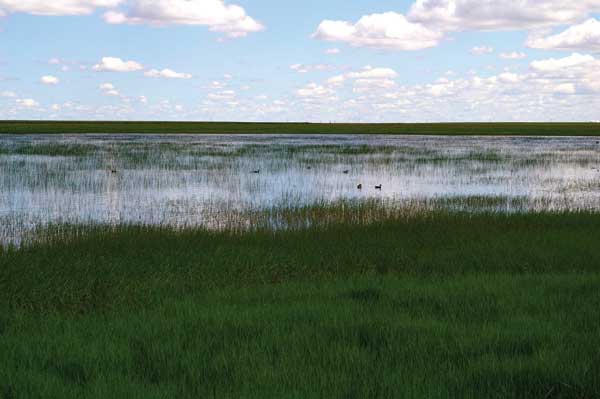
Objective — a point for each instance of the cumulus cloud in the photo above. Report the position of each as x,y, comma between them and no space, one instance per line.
113,64
167,74
107,86
219,17
373,73
366,85
55,7
513,55
554,64
582,37
333,51
565,87
509,77
390,30
27,103
368,76
460,15
302,68
575,73
223,95
108,89
49,80
315,91
481,50
429,20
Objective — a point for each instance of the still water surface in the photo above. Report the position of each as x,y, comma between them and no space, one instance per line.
190,180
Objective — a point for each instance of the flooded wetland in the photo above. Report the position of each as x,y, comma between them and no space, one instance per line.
342,266
242,182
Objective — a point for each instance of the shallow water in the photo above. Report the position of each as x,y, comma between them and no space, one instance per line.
199,180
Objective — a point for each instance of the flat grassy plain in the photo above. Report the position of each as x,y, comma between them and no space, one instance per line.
439,305
452,129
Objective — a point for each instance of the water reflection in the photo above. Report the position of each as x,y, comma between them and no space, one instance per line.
200,180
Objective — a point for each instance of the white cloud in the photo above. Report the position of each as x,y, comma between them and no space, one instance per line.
508,77
561,89
301,68
49,80
223,95
8,94
333,51
461,15
55,7
481,50
167,74
367,85
576,72
27,103
336,80
113,64
564,88
373,73
390,30
315,91
513,55
553,64
428,20
107,86
108,89
218,16
368,76
582,37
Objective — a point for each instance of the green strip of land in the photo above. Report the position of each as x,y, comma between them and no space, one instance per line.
435,306
450,129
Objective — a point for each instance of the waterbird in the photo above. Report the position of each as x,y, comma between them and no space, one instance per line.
346,172
257,171
378,187
359,186
113,171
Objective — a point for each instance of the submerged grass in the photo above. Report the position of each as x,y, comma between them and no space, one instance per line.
437,305
51,149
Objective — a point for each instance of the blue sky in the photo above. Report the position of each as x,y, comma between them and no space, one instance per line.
332,60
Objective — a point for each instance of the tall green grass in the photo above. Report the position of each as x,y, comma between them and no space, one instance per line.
438,305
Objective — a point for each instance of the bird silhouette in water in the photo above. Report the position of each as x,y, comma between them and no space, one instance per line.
113,171
359,186
378,187
257,171
308,167
346,172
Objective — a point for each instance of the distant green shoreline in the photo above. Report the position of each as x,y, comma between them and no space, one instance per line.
445,129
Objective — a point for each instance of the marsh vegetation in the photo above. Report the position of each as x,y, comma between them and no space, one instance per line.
207,181
153,267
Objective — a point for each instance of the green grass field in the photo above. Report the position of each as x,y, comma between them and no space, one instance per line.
483,129
438,305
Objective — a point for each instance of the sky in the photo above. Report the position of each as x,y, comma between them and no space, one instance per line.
315,61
